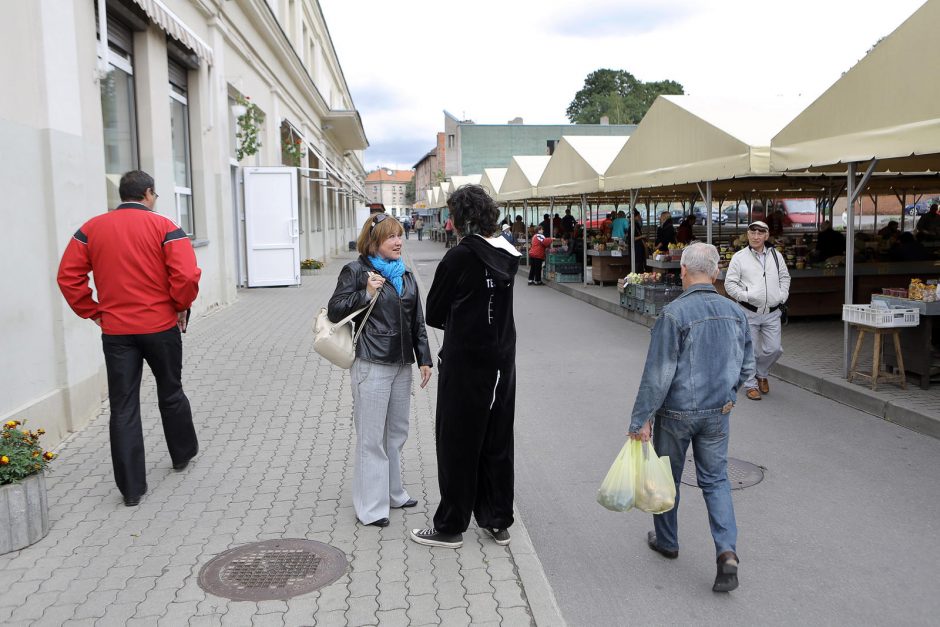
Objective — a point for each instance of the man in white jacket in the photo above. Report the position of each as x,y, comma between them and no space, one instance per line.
758,279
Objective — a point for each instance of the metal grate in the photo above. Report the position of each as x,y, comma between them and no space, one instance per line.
274,569
741,474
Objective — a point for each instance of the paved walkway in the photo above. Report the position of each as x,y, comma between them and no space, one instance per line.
275,426
812,359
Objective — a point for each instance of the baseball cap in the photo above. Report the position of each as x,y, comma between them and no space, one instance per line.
505,227
759,224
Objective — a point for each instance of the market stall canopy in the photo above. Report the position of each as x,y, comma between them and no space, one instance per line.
435,196
491,180
886,107
459,181
691,139
578,165
522,178
430,197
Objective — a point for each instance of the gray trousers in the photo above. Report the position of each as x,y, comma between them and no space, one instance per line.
765,337
381,408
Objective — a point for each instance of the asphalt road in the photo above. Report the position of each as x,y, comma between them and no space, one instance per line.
843,529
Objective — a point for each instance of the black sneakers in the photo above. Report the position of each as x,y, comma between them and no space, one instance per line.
501,536
651,541
433,537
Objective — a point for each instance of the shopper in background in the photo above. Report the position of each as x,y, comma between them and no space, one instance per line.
829,242
449,237
146,279
567,223
928,226
518,229
546,224
666,232
471,300
537,251
639,242
507,233
381,376
419,227
758,279
406,224
700,353
619,226
556,226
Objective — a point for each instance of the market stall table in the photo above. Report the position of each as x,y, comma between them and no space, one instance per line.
916,342
608,265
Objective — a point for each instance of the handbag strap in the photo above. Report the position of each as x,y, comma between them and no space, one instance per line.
362,325
357,312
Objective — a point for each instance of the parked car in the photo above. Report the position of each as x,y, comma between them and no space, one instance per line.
738,213
717,216
919,208
799,212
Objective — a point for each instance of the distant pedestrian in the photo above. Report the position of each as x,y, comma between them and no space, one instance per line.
758,279
406,224
471,300
146,279
518,229
506,232
699,355
419,227
537,250
449,236
381,376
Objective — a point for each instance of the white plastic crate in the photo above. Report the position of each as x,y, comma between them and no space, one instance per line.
881,318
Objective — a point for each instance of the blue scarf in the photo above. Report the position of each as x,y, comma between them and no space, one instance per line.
391,270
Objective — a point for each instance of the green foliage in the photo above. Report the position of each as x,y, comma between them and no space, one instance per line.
20,453
410,192
293,150
249,129
311,264
617,94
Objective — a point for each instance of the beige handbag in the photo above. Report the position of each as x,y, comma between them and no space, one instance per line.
335,341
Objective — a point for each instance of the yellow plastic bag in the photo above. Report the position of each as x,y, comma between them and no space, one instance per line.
617,490
655,489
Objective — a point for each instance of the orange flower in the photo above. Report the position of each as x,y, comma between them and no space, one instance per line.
48,456
4,460
12,424
35,454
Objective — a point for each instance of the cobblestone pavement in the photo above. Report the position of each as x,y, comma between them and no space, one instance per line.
275,426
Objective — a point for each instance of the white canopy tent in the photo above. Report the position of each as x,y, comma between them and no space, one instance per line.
491,179
891,128
522,178
459,181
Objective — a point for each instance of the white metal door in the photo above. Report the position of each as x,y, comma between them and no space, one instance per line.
271,228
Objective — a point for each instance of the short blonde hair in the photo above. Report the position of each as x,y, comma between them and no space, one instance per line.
378,228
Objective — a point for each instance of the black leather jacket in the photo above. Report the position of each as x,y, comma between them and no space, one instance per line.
395,331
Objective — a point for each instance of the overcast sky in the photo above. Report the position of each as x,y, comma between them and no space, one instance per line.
493,60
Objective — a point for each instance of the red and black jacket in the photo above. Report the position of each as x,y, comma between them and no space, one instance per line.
144,270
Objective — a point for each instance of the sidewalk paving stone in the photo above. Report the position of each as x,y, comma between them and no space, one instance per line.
277,445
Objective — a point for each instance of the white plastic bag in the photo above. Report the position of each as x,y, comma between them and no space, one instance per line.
616,491
655,489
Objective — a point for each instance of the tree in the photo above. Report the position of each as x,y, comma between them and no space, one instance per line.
410,192
617,94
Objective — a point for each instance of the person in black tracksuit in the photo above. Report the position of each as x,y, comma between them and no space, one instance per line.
471,300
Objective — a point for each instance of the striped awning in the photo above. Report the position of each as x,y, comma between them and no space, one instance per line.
175,28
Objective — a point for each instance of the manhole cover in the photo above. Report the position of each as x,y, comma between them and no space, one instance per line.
273,569
741,474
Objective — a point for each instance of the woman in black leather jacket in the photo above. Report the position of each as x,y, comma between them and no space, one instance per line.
393,336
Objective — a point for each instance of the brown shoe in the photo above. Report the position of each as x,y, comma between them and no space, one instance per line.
763,385
753,394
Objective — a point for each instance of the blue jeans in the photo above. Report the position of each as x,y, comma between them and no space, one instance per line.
709,438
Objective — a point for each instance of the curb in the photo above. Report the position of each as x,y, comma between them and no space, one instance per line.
836,389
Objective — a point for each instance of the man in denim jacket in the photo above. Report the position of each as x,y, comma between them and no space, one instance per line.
699,356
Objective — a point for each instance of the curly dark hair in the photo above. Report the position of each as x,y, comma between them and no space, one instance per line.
473,211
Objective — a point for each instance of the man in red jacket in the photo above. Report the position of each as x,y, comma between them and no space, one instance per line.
146,279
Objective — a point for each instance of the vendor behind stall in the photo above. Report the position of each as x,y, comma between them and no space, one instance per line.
928,227
666,233
829,243
908,249
685,234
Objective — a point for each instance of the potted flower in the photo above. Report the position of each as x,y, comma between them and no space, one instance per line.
24,509
310,266
293,150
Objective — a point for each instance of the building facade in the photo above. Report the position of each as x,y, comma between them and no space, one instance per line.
429,171
468,147
389,187
108,86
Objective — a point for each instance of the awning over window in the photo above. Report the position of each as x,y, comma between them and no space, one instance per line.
175,28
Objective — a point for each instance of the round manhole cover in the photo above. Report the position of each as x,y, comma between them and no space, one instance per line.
273,569
741,474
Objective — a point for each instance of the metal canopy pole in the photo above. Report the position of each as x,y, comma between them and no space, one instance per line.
633,194
551,217
584,236
707,199
852,192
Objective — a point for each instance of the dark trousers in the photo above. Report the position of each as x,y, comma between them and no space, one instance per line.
420,234
535,269
124,356
475,413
